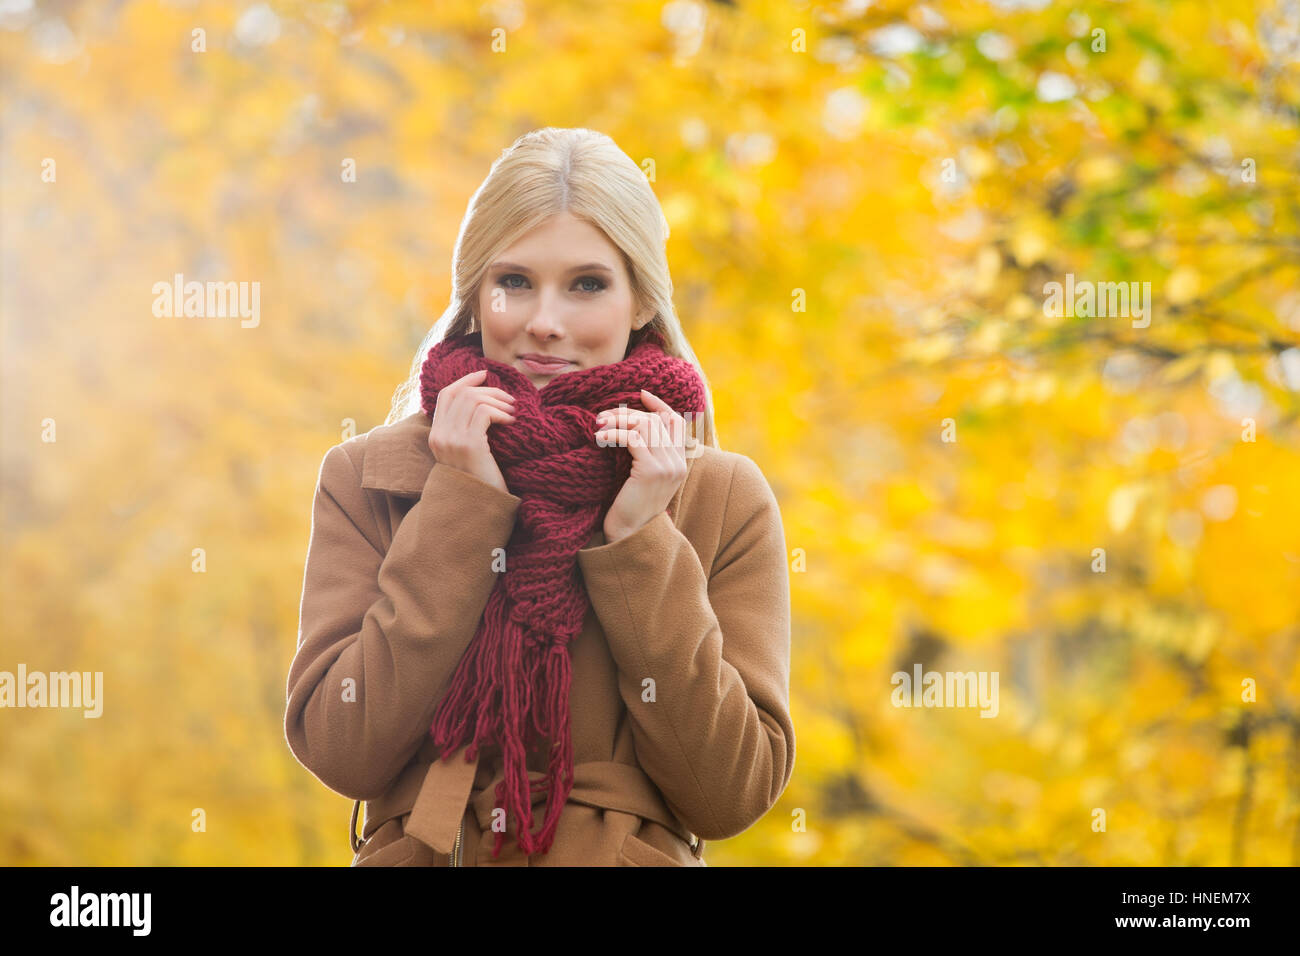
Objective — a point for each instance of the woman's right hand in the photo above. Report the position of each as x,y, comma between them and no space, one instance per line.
461,416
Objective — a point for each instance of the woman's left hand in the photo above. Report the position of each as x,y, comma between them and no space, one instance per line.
656,439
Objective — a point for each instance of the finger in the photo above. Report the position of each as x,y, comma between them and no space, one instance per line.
622,416
633,420
486,415
654,402
466,383
647,425
658,406
626,417
634,441
620,437
446,394
664,411
503,404
663,450
661,434
461,408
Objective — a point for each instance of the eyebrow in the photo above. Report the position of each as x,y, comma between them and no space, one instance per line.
585,267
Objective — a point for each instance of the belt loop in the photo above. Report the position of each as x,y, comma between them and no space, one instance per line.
439,807
352,828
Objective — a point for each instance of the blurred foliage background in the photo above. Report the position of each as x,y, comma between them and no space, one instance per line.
866,201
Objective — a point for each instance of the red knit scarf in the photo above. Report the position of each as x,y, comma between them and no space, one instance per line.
512,685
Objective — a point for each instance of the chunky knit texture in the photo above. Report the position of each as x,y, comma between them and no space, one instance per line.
512,685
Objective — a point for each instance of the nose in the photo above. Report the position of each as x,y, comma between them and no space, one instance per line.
545,324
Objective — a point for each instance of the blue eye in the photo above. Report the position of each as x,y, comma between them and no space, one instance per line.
504,282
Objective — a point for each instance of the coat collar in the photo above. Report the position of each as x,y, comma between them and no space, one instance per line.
398,460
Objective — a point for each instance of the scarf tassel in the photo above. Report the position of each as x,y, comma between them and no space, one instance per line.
548,682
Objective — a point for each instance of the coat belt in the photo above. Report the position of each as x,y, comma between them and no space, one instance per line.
445,793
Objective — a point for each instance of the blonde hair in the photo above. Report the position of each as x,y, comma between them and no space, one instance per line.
546,172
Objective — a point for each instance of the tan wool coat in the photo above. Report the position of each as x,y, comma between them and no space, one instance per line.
679,707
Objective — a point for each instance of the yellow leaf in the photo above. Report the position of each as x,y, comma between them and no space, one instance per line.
1097,169
1121,506
1182,285
978,163
1180,368
1021,306
988,338
930,348
1028,245
987,265
1219,365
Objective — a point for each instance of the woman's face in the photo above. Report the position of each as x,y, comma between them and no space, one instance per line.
561,292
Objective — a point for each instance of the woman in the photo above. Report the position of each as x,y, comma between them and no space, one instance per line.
509,601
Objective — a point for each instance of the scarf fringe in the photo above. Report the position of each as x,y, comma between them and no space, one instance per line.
537,705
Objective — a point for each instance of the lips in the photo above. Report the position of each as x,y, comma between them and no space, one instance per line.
544,364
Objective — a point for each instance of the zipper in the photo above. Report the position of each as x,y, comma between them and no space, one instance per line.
455,848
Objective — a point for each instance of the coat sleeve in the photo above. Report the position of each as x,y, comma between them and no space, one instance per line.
717,739
380,635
